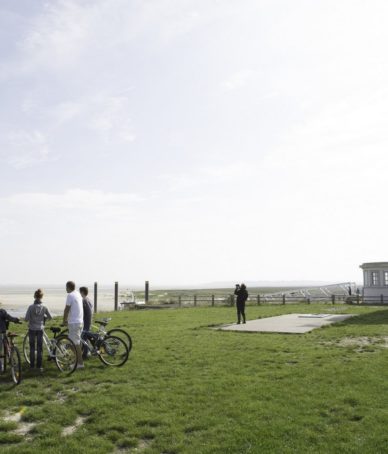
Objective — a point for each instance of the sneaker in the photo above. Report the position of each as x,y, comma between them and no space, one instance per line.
80,366
41,369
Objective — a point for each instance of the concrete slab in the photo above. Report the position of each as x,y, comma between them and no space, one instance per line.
289,323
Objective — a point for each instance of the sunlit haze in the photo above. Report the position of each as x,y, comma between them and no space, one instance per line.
189,142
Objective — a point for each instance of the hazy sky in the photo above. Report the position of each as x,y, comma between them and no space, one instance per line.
186,141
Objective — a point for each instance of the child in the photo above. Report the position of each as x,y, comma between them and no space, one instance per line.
35,316
4,319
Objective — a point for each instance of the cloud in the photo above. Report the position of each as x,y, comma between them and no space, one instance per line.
66,33
109,117
239,80
72,204
22,149
74,199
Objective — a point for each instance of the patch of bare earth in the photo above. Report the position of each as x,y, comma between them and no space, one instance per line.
60,397
362,342
69,430
23,428
143,444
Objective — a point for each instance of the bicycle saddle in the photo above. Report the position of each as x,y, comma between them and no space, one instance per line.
55,329
101,322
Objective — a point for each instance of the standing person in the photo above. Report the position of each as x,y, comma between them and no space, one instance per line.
4,319
35,316
88,311
242,296
73,316
88,308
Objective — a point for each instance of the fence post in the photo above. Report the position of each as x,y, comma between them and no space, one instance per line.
195,300
212,300
333,299
258,300
116,296
381,298
95,297
308,300
284,299
180,300
358,298
146,292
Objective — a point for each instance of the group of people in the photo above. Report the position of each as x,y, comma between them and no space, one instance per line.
77,317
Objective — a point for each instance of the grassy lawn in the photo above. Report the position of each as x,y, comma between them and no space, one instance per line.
190,389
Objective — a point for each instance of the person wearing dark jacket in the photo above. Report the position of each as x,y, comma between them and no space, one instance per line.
88,313
242,295
5,318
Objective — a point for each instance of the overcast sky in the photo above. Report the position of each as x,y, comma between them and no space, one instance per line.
186,141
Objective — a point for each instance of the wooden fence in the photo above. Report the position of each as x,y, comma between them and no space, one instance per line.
254,299
212,300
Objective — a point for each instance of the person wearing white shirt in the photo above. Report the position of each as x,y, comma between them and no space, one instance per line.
73,316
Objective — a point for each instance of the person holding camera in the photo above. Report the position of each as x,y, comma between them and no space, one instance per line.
242,295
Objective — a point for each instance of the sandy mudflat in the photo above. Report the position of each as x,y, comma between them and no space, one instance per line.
17,299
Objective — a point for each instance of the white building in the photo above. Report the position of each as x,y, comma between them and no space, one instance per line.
375,281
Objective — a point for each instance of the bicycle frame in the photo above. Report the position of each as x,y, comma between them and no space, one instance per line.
48,343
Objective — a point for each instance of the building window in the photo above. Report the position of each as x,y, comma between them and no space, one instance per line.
374,278
385,277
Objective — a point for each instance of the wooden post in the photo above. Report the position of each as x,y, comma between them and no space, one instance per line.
116,296
308,300
381,299
180,300
258,300
146,292
195,300
358,298
333,299
95,297
212,300
284,299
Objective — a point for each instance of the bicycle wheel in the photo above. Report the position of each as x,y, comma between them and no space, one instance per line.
26,349
113,351
117,332
15,365
65,354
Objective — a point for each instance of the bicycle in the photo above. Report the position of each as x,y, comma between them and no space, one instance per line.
116,332
111,350
60,348
10,356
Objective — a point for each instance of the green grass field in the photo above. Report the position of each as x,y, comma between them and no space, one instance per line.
190,389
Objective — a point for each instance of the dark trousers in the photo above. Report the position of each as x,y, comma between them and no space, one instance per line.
240,311
36,343
84,336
